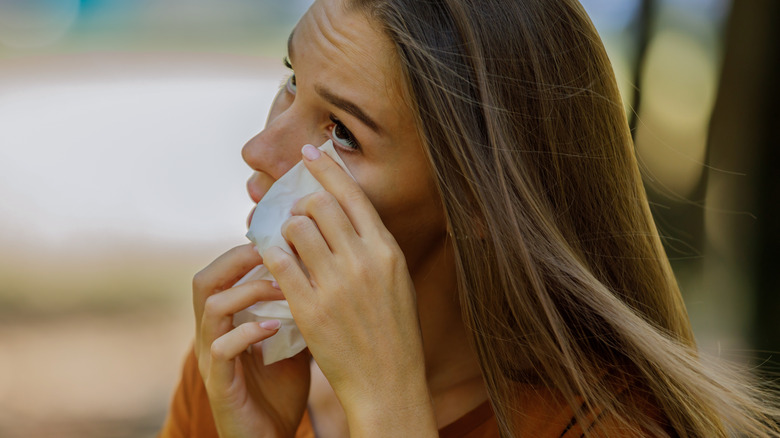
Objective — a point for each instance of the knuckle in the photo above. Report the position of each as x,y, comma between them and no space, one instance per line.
321,199
299,223
388,239
218,351
296,225
354,195
199,280
255,288
211,305
277,261
386,255
293,224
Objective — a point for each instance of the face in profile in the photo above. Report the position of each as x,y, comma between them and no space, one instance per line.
345,84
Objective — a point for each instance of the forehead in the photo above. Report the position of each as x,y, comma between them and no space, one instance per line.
343,33
346,51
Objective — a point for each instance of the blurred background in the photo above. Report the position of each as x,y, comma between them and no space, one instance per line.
121,124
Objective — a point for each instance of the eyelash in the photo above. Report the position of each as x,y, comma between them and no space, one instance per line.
350,144
286,62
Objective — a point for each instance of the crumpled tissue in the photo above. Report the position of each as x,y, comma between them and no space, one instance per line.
265,231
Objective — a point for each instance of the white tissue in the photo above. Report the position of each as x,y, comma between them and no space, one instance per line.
265,232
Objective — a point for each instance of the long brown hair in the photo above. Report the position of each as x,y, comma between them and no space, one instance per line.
558,260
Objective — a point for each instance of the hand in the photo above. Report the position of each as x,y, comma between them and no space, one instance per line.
358,310
246,397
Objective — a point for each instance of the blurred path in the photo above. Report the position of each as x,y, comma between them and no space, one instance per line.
90,375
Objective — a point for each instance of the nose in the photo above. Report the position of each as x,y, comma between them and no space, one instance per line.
277,148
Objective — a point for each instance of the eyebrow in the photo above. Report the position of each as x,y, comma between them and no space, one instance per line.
347,106
340,102
289,44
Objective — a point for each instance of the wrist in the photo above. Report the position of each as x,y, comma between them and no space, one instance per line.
403,412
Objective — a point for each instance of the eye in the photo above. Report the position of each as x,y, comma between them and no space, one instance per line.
290,84
343,136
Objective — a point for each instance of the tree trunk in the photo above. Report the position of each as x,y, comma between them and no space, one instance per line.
743,194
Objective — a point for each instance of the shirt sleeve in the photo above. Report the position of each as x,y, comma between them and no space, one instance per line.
189,415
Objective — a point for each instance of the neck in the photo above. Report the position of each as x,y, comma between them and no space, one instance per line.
452,367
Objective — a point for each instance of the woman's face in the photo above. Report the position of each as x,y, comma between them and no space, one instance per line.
346,86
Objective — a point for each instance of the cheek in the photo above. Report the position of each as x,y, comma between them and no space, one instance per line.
408,204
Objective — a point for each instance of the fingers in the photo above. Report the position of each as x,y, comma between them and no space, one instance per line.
347,192
304,235
219,308
284,267
225,349
323,208
222,273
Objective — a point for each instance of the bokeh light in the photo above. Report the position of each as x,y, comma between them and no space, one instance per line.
680,83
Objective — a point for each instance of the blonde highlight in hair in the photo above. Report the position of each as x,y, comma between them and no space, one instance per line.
562,277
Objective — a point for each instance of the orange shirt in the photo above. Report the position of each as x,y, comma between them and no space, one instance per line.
544,415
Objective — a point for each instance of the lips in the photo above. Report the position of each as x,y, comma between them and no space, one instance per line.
251,215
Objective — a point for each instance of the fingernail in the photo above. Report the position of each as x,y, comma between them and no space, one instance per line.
310,152
271,325
275,284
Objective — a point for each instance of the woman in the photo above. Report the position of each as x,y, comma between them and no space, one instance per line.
494,265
